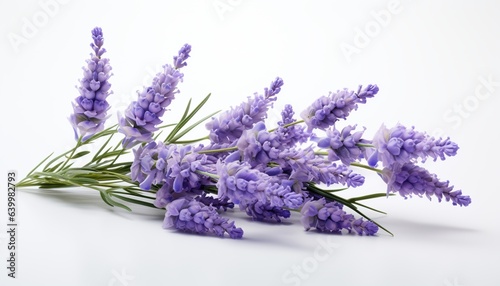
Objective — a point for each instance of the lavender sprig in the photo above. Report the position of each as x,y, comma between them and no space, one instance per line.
90,108
143,116
268,173
410,179
327,110
342,145
193,216
230,124
400,145
330,217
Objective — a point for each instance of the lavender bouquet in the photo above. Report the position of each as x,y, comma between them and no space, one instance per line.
266,171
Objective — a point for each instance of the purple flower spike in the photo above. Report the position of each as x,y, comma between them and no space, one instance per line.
290,135
90,107
259,146
327,110
364,226
193,216
410,179
261,211
400,145
331,218
307,167
180,60
230,124
143,116
172,168
239,182
342,145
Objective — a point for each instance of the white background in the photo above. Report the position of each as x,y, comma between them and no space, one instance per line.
429,59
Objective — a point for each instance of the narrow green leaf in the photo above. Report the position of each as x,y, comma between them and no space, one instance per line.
109,153
185,131
192,140
105,198
39,164
134,201
53,186
100,149
106,132
157,135
120,205
370,208
179,124
370,196
185,119
109,194
56,158
83,181
167,125
336,190
79,154
53,168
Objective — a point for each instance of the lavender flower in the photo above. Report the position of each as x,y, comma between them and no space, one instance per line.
193,216
307,167
230,124
239,182
330,217
400,145
327,110
264,211
143,116
90,107
149,165
282,195
293,134
258,146
342,145
174,168
243,185
364,226
411,179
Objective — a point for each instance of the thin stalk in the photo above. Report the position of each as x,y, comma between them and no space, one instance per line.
356,164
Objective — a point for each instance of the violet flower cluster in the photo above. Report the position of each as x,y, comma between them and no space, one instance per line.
330,217
90,108
142,117
269,171
399,149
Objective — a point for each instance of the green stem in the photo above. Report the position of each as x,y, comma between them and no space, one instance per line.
118,155
78,144
356,164
210,175
218,150
365,145
288,125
